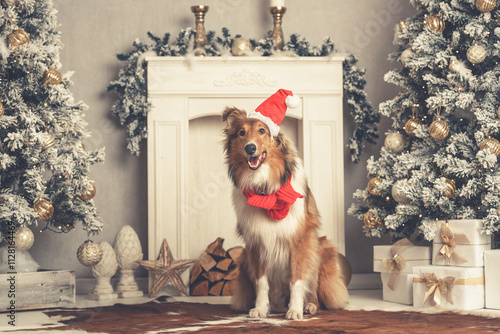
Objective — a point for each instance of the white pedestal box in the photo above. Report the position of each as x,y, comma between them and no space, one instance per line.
403,290
492,278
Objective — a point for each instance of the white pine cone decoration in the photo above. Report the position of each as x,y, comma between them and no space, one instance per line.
108,265
89,253
127,248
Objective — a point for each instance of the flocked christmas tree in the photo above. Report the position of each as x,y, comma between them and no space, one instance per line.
43,164
440,159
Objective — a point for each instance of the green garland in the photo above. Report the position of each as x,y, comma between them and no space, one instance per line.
132,106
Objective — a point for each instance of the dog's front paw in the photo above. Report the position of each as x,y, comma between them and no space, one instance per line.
294,314
258,312
310,308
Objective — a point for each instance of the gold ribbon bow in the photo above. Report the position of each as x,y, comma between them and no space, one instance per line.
396,263
450,240
437,288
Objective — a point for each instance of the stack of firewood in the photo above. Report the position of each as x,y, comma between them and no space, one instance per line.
214,271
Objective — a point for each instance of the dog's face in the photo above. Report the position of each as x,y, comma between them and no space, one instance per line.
252,153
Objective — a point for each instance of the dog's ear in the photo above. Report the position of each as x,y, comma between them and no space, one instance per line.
232,115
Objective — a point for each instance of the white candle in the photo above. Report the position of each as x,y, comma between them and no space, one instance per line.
277,3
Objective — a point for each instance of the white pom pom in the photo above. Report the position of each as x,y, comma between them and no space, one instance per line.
292,101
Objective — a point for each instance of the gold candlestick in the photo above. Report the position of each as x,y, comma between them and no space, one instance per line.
200,39
278,38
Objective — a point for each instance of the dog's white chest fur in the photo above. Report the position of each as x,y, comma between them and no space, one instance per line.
271,237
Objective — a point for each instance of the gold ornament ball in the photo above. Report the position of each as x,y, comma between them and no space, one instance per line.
370,220
476,54
18,37
405,55
52,77
435,23
498,112
44,208
492,145
48,141
89,253
24,239
450,188
439,129
88,194
395,142
345,268
2,109
411,125
485,6
402,26
373,186
241,46
397,192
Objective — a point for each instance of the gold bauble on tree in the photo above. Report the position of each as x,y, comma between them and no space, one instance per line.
370,220
18,37
48,141
411,125
498,112
492,145
44,208
52,77
373,186
450,188
435,23
23,238
476,54
439,129
88,194
397,192
89,253
241,46
395,142
485,6
2,109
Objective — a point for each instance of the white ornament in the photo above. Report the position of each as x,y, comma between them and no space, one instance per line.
476,54
395,142
397,192
405,55
128,250
459,67
103,271
24,239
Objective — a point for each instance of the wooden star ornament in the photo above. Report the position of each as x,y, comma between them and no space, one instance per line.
166,270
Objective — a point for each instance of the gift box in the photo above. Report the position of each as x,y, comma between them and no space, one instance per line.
406,255
403,289
492,278
460,243
460,288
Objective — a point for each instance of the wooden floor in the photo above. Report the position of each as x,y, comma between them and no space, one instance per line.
359,299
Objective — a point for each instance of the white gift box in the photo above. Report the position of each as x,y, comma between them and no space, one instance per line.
471,252
492,278
467,292
403,291
413,256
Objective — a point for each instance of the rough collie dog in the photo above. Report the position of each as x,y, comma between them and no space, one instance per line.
285,265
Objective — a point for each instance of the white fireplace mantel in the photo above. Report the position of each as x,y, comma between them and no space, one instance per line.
188,188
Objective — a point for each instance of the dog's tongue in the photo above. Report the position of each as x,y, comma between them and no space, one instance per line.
254,161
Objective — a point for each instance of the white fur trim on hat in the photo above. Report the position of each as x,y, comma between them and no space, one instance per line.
274,129
292,101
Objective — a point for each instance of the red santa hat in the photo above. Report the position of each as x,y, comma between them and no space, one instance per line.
272,111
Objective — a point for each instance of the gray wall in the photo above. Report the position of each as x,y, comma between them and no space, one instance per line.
93,31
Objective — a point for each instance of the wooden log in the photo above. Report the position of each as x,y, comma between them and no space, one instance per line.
227,290
206,261
233,274
235,253
214,276
216,249
195,271
216,289
224,264
200,289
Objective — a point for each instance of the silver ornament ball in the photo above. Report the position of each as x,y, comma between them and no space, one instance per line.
395,142
89,253
241,46
476,54
24,238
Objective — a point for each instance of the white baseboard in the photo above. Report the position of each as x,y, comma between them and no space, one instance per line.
84,286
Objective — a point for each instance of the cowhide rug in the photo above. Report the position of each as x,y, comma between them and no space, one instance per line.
179,317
